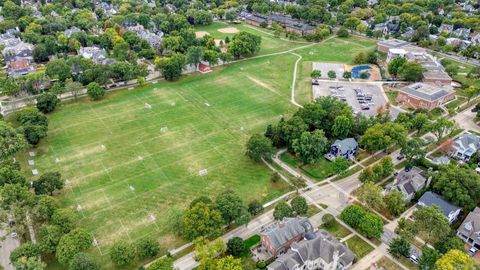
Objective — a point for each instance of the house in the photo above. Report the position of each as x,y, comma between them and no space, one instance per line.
393,28
153,39
449,210
254,19
408,183
469,231
290,24
475,39
97,54
425,96
346,148
395,53
462,33
278,237
381,27
466,146
318,250
20,67
385,45
408,34
445,28
71,30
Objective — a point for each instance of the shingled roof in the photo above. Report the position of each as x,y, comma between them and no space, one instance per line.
428,92
283,231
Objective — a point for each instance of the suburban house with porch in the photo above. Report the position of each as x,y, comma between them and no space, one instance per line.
469,231
408,183
425,96
318,250
466,146
346,148
278,237
449,210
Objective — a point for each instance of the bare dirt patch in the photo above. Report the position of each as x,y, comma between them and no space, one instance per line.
228,30
200,34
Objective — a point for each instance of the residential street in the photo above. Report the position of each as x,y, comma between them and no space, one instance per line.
6,247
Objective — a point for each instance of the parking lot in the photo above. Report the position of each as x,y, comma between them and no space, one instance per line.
364,98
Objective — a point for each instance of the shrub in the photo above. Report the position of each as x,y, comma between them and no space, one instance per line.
328,220
122,253
95,91
147,248
47,102
236,246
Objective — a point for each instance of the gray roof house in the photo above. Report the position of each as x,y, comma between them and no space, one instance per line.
469,231
318,250
346,148
278,237
450,211
447,28
466,146
408,183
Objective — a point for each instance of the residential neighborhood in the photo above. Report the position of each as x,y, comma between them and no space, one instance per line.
240,135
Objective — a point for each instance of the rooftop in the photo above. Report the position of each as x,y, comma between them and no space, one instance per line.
430,92
429,198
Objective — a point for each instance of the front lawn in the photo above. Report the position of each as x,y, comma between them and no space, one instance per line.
319,170
359,247
337,230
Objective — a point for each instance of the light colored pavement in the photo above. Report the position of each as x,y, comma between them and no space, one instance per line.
6,247
466,119
294,81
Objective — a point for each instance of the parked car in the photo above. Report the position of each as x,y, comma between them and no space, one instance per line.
400,157
472,251
413,258
14,235
364,107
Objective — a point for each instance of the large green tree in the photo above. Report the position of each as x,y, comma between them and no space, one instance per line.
230,206
310,146
411,71
382,136
48,183
10,141
122,253
282,210
299,205
171,67
83,261
244,44
259,147
399,247
202,220
70,244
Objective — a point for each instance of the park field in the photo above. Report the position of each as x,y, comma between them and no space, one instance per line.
134,157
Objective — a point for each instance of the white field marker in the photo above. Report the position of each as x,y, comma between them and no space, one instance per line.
35,172
130,88
206,104
203,172
173,104
31,162
32,154
57,160
148,106
164,129
132,189
103,147
241,128
140,158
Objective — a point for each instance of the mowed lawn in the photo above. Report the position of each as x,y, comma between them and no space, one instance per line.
127,165
270,44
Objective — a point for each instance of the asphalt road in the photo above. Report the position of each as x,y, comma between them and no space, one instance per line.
6,247
466,120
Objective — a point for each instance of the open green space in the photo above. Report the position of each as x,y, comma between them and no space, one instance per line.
319,170
337,230
129,165
359,247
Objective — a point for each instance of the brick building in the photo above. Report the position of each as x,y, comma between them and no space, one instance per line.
278,237
426,96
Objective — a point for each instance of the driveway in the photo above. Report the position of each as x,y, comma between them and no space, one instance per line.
6,247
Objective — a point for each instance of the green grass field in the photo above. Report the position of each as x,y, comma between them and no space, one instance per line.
126,172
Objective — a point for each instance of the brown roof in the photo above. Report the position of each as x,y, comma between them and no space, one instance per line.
20,64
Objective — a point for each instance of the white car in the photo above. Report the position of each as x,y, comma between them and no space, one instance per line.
413,259
14,235
472,251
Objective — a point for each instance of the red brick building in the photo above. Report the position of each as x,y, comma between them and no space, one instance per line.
425,96
278,237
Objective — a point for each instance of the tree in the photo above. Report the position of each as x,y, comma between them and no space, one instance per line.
347,75
65,218
40,53
230,206
47,102
342,126
340,165
25,250
58,69
211,56
259,147
343,32
332,74
387,166
244,44
201,220
411,71
76,241
236,246
367,175
328,220
9,175
48,183
455,259
164,263
122,253
471,92
394,202
147,248
431,222
311,146
371,195
371,58
282,210
399,247
10,141
299,205
29,263
49,237
441,127
255,207
140,80
459,185
382,136
73,87
171,67
229,263
352,215
371,226
428,259
194,55
449,242
412,149
95,91
206,252
83,261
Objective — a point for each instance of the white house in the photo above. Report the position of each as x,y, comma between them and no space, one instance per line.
466,146
449,210
469,231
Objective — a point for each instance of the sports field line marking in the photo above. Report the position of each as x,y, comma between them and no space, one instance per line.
120,219
101,121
